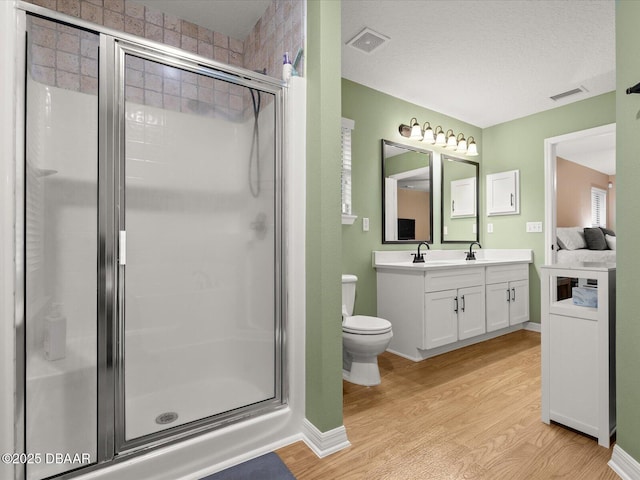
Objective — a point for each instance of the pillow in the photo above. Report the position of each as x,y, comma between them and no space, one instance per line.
595,239
611,241
571,238
606,231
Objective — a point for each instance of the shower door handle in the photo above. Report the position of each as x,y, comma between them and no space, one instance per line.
122,248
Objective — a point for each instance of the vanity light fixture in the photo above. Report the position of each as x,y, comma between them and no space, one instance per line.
441,141
413,130
428,134
462,143
472,148
451,140
436,136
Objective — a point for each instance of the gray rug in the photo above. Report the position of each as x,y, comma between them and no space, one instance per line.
266,467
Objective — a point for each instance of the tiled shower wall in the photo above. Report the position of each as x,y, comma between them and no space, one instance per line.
61,58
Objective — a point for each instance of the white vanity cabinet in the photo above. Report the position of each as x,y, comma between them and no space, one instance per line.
507,295
453,314
435,308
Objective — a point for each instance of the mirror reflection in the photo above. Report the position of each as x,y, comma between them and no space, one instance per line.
407,212
459,200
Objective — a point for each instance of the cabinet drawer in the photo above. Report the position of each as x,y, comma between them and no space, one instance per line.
438,280
507,273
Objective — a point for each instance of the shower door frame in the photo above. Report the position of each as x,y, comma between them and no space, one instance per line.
112,448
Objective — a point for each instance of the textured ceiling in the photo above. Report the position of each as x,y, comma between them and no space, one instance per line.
483,61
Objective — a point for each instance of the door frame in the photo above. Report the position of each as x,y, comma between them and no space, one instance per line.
550,183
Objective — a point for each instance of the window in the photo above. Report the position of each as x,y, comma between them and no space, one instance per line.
347,127
598,207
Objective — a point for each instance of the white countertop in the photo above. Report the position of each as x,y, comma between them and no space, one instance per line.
441,259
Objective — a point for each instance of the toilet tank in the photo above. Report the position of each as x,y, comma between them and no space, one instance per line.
349,292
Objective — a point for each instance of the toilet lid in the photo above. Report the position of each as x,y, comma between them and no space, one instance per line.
364,325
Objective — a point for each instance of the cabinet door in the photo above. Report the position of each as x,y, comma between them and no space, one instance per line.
463,197
440,318
503,193
471,318
519,305
498,301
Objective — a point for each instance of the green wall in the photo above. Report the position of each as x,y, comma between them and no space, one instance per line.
377,116
323,240
628,228
519,145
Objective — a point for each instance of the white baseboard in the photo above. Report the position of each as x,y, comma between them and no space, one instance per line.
627,467
534,327
324,443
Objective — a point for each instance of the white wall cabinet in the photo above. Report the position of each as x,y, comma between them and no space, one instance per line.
578,354
503,193
463,197
507,296
438,310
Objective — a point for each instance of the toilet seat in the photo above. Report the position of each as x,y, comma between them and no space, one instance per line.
365,325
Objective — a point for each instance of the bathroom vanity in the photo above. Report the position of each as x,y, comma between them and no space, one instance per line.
448,302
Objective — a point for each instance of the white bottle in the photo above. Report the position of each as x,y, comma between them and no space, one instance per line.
287,68
55,334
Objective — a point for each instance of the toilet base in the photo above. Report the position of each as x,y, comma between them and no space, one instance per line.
363,371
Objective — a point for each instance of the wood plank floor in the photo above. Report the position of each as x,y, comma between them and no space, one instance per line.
469,414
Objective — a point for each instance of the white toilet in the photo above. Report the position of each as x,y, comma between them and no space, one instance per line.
363,339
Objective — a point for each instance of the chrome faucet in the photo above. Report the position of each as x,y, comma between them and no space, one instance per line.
471,255
419,257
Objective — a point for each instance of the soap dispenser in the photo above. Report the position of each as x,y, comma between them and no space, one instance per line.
287,68
55,334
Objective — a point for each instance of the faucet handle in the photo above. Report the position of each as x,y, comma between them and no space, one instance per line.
418,258
471,256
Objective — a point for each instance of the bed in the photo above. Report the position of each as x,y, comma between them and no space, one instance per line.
578,244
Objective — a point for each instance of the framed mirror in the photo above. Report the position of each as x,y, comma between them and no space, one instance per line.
407,194
460,200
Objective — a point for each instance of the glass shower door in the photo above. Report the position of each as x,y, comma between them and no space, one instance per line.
198,247
61,248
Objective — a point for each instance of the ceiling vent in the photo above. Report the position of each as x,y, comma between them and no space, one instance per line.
568,93
367,40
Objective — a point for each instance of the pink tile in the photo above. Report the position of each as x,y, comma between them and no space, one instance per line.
154,16
133,94
69,7
99,3
88,85
221,99
171,87
134,10
114,5
205,49
189,77
153,32
152,82
43,56
220,40
207,82
205,95
68,43
67,80
236,45
172,38
114,20
43,36
235,59
205,35
43,75
134,26
172,22
153,99
236,103
89,67
91,13
67,62
89,48
135,63
190,44
221,54
189,29
189,91
135,78
172,102
51,4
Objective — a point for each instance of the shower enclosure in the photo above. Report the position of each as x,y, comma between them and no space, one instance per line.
153,251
